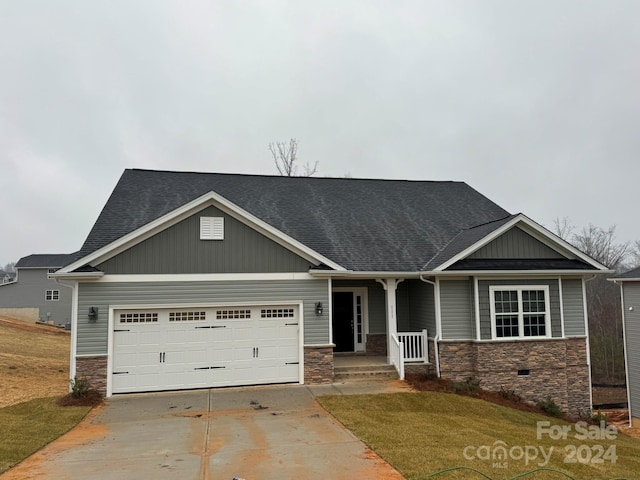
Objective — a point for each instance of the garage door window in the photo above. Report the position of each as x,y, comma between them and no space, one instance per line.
187,316
139,317
232,314
276,313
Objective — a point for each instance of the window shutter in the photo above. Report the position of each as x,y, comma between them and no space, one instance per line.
211,228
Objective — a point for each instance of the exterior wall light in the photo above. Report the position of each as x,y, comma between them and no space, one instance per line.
93,314
319,308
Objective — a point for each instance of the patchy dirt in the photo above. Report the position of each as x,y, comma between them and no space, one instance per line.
91,399
424,383
34,361
619,417
37,467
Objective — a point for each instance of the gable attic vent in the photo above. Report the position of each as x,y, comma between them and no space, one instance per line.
211,228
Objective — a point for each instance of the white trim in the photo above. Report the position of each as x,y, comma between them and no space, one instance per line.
519,289
438,336
626,362
517,273
111,325
319,345
330,285
73,350
588,342
205,277
364,293
561,306
368,274
535,230
181,213
476,304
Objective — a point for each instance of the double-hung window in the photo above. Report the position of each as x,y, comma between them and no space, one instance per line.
520,311
52,295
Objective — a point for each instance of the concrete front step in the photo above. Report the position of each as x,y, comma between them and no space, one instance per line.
364,372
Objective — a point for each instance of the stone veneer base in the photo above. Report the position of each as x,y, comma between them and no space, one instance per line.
533,369
318,368
318,365
94,369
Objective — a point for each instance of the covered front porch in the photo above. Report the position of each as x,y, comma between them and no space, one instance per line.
381,322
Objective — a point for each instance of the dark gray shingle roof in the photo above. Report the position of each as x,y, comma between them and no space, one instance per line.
635,274
45,260
361,224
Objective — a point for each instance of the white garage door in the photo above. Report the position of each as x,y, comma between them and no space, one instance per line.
171,349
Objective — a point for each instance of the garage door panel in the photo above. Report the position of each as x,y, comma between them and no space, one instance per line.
166,349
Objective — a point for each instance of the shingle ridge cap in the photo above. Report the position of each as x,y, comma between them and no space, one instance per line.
314,178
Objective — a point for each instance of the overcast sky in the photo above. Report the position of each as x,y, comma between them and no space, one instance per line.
536,104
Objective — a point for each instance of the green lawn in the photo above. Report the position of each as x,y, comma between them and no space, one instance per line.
421,433
27,427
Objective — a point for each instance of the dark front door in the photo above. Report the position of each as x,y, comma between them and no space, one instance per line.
343,321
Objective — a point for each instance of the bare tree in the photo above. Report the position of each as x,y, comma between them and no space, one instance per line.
10,267
601,244
563,228
603,297
285,156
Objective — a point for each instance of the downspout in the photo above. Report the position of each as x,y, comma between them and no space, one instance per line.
436,338
624,342
74,326
586,330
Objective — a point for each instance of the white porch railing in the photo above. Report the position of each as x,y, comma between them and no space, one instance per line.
396,355
416,346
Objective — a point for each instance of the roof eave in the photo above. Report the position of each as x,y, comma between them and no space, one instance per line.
77,275
516,272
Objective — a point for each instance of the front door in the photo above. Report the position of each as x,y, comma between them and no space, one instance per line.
342,318
349,318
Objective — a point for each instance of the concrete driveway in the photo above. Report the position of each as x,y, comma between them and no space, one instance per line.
258,433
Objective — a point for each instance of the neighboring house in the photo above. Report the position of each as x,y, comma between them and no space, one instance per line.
630,293
7,277
34,295
191,280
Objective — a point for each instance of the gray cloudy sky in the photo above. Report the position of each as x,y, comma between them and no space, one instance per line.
534,103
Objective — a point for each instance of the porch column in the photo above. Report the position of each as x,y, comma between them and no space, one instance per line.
390,285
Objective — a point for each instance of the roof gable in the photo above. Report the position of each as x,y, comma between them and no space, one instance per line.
158,225
499,235
179,249
353,224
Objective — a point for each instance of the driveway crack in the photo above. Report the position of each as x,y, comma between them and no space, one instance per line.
206,453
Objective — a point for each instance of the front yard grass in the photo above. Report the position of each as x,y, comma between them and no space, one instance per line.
421,433
27,427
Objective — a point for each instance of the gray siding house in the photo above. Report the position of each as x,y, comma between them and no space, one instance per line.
34,295
192,280
630,293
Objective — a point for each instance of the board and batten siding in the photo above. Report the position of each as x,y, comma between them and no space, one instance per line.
515,243
376,302
178,249
631,292
457,309
92,337
485,299
573,303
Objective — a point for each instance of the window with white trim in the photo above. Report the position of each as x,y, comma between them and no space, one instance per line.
50,271
520,311
277,313
188,316
52,295
139,317
211,228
